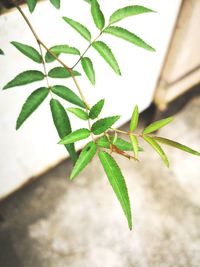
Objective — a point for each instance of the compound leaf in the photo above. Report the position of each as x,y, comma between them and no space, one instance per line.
117,182
88,69
75,136
24,78
55,3
81,29
128,36
61,72
85,157
31,5
28,51
96,109
1,52
157,148
67,94
107,54
97,15
62,124
134,119
79,113
60,49
176,145
31,104
128,11
157,125
102,125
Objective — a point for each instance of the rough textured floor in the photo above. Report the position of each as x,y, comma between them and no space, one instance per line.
57,223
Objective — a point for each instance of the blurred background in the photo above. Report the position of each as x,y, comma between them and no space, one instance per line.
46,220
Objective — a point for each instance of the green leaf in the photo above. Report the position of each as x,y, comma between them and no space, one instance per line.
127,12
157,125
176,145
79,113
79,28
31,4
75,136
157,148
31,104
1,52
67,94
134,119
60,49
96,109
107,54
134,143
28,51
128,36
85,157
61,72
119,143
102,125
97,15
24,78
55,3
62,124
88,69
117,182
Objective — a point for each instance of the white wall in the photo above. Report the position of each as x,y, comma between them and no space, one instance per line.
33,149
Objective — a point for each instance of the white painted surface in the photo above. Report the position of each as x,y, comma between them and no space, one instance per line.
34,148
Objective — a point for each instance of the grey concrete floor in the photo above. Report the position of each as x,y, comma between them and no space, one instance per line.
57,223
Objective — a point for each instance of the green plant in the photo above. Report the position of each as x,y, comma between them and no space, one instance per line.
104,138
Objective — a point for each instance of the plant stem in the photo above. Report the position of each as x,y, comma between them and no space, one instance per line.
50,52
91,43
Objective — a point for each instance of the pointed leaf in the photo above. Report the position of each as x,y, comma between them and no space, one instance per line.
88,69
157,148
96,109
117,182
128,36
28,51
127,12
67,94
79,113
75,136
85,157
60,49
79,28
102,125
1,52
107,54
176,145
62,124
56,3
134,119
31,4
97,15
119,143
24,78
157,125
134,143
31,104
61,72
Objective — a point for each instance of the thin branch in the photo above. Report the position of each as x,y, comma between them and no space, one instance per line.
51,53
83,54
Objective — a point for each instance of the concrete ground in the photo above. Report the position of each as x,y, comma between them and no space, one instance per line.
56,223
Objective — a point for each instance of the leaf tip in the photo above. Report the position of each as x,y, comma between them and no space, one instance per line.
17,126
71,177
